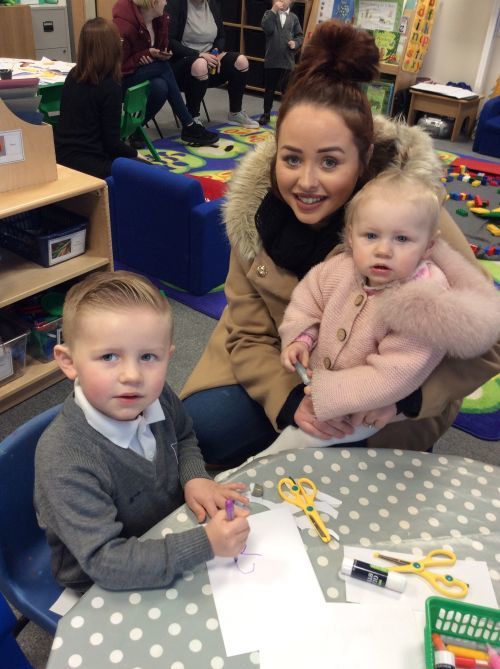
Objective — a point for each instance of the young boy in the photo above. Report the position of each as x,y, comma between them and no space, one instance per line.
284,38
375,320
122,453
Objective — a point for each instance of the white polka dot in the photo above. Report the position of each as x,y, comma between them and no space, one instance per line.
441,508
97,602
372,452
496,503
469,506
456,534
383,513
421,497
96,639
404,524
212,624
174,629
475,492
462,520
389,464
206,590
252,473
477,546
363,501
77,622
319,455
166,531
326,480
216,662
354,515
58,642
335,467
448,494
416,462
291,457
191,609
374,527
469,461
494,575
409,474
484,530
401,487
195,645
74,661
372,488
181,517
343,490
156,650
462,470
381,476
135,598
362,465
323,561
307,469
490,516
429,485
116,618
333,545
279,471
392,499
364,541
436,472
488,468
344,529
188,575
354,478
175,665
443,460
482,480
425,536
154,613
172,593
345,454
332,592
456,483
413,511
135,634
116,656
268,484
398,451
395,538
254,657
433,522
418,552
497,558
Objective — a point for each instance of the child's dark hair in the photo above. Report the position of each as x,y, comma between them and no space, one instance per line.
335,61
99,52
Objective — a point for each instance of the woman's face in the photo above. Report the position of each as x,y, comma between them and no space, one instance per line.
317,163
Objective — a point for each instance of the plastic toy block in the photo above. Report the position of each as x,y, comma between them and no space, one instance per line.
490,251
480,211
463,196
484,181
455,196
449,178
480,174
462,212
475,183
462,169
444,180
447,196
494,229
466,178
470,203
474,248
478,202
454,174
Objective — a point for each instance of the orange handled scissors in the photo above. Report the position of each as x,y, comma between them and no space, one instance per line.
445,584
302,493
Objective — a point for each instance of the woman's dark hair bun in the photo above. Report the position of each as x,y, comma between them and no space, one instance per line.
340,51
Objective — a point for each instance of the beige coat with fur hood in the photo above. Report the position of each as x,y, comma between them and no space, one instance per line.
245,345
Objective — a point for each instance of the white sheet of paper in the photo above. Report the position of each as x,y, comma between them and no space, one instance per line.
65,602
417,589
340,636
250,595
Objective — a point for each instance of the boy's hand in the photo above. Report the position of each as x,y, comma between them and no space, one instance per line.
228,537
277,6
297,351
291,44
206,496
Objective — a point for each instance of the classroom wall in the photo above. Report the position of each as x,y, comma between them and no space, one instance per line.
457,41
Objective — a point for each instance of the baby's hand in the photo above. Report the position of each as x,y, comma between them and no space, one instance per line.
206,496
297,351
228,537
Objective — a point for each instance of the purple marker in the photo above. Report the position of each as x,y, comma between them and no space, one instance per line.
230,514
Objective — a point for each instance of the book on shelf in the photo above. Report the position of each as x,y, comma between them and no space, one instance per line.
379,94
21,97
447,91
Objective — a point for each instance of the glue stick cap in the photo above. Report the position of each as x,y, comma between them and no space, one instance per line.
444,659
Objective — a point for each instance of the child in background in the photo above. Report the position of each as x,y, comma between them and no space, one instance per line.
122,453
374,320
87,137
284,38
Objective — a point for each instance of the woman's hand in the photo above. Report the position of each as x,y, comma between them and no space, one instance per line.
212,59
156,54
146,59
378,418
307,421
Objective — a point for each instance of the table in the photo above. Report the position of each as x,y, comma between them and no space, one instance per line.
397,500
461,110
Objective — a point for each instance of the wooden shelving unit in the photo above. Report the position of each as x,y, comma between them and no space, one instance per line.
20,278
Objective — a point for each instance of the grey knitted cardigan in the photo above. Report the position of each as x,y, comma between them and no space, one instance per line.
278,53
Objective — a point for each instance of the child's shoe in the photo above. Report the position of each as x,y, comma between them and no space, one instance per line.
264,119
196,135
242,119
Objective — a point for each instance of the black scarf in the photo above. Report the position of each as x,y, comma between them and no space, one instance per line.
291,244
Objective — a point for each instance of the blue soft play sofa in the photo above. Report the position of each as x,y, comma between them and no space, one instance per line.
162,226
487,138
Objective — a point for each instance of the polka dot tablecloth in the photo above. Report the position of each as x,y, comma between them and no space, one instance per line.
400,500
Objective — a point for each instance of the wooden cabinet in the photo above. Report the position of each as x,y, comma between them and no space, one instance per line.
16,32
20,278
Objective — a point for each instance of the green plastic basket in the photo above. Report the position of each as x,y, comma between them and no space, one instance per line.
460,620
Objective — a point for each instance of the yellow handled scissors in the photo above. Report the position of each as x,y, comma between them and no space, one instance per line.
302,493
445,584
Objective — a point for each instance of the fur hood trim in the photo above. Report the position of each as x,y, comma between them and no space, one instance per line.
414,155
463,320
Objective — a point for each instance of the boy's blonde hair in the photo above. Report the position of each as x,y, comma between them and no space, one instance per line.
394,184
144,4
110,291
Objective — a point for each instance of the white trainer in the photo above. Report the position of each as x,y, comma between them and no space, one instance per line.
242,119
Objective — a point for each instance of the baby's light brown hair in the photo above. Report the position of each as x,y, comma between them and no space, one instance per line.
110,291
395,185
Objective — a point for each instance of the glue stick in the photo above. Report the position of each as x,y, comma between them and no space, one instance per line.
444,659
373,574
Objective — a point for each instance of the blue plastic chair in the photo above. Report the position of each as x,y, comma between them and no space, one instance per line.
25,576
11,655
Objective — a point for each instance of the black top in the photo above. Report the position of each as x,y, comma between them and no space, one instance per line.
87,137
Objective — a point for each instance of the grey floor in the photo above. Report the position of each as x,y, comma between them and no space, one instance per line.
192,331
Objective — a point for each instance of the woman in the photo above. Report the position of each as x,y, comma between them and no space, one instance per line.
327,146
87,137
143,27
199,60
